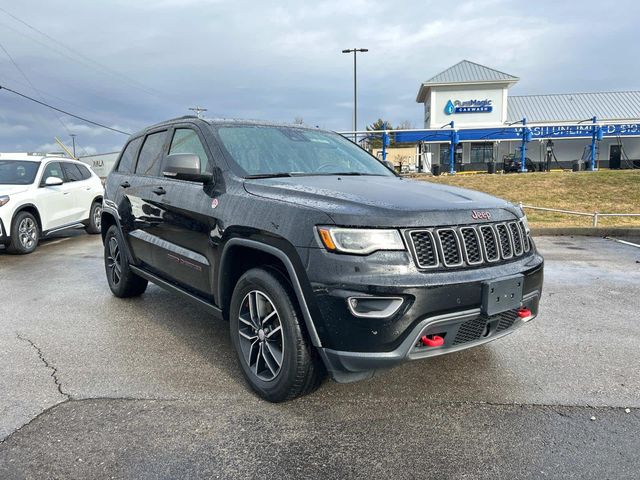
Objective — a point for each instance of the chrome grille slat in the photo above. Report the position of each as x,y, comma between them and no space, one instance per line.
516,236
525,238
490,243
468,245
471,245
449,244
504,241
423,246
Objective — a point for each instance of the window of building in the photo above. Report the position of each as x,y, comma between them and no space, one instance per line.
481,152
129,156
444,153
150,154
186,140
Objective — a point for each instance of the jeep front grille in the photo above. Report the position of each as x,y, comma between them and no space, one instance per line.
470,245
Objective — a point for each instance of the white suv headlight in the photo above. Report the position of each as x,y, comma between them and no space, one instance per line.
4,199
359,241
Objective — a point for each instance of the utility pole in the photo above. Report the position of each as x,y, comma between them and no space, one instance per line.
198,110
73,142
355,88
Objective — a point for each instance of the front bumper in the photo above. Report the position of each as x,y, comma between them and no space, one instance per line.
459,330
445,303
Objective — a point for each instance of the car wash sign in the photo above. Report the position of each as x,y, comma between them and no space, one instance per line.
468,106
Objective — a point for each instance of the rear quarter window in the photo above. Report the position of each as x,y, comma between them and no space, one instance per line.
127,160
72,172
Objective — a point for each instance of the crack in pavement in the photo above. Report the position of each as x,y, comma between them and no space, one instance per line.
54,370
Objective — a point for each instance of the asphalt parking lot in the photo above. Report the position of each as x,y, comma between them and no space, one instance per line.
97,387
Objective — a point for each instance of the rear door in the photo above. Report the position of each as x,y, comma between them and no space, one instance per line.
143,200
79,189
55,203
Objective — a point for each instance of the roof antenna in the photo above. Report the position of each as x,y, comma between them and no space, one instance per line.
198,110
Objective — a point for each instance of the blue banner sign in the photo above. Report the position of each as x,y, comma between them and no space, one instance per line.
515,133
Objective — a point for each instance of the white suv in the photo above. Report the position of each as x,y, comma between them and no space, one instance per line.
42,194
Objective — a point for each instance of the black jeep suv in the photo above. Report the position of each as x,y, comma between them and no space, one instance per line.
320,257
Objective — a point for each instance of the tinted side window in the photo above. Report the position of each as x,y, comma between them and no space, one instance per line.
72,172
186,140
86,174
129,156
52,169
150,154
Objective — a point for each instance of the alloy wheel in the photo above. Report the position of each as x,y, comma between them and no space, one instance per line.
114,266
28,233
261,335
97,217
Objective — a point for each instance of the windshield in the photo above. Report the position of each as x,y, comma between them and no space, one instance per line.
283,151
18,172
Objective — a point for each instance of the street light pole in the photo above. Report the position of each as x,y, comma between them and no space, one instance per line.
355,88
73,141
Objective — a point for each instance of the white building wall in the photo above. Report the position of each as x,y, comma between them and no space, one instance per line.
441,95
102,163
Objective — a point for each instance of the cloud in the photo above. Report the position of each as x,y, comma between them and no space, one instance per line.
132,64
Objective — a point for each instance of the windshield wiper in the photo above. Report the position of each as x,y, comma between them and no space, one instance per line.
269,175
344,174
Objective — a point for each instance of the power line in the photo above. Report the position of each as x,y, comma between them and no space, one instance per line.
64,111
85,59
22,72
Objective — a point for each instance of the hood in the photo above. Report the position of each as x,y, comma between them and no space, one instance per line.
383,201
12,189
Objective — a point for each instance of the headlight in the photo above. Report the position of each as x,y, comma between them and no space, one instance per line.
359,241
525,222
4,199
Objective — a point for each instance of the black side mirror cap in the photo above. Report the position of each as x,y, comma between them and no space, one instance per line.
185,166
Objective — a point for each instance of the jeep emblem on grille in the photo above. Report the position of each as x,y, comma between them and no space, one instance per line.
478,215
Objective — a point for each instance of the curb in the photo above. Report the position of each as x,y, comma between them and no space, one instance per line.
586,231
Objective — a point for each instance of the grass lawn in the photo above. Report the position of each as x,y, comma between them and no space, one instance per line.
605,191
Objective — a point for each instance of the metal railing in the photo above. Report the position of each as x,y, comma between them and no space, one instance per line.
595,215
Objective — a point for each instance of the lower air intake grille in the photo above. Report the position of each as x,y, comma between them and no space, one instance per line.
476,328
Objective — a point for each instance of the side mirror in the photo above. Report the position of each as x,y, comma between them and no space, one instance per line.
52,182
184,166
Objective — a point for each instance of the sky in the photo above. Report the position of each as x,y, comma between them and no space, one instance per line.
131,63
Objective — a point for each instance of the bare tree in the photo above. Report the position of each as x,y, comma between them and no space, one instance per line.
405,125
298,121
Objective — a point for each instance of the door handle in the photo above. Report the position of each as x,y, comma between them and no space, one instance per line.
125,184
159,191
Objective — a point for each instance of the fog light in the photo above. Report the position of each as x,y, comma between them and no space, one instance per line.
374,307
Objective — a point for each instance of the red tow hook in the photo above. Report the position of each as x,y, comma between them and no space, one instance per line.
524,312
432,340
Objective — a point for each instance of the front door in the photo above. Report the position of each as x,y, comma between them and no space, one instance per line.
56,204
615,156
183,249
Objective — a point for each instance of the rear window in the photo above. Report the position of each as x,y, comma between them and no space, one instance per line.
128,158
150,154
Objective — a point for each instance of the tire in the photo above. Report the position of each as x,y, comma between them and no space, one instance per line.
279,335
95,218
122,281
25,234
